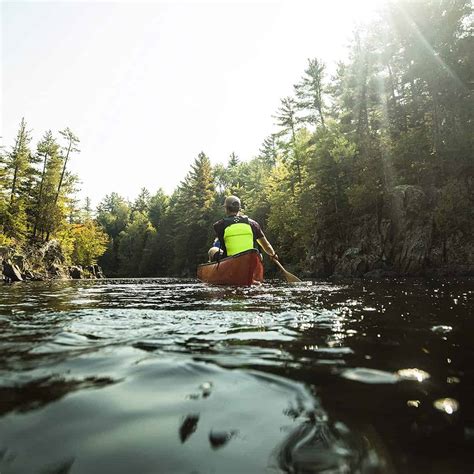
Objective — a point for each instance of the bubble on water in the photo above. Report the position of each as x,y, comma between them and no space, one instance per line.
453,380
413,374
374,376
206,388
446,405
442,329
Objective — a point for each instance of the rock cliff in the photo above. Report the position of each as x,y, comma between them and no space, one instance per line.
403,240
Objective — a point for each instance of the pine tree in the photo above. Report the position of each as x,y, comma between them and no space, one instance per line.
309,93
71,147
193,210
18,172
142,202
288,121
48,150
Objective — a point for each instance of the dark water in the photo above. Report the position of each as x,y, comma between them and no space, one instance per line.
173,376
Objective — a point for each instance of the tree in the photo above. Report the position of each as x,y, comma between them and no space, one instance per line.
193,210
287,120
158,208
309,93
113,214
268,152
71,147
89,243
19,170
142,203
135,246
48,149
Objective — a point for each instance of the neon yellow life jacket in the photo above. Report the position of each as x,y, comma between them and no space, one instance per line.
238,235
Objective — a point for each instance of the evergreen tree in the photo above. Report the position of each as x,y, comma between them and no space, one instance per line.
268,152
309,93
193,209
142,203
18,171
113,214
287,121
71,147
48,150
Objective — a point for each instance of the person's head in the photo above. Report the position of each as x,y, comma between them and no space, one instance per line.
212,253
232,205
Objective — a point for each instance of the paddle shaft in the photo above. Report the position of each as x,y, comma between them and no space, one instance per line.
289,276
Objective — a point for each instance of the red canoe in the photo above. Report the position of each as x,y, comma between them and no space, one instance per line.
242,269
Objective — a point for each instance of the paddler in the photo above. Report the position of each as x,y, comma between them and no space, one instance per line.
237,233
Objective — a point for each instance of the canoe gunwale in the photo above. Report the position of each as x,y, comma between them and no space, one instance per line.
247,270
217,262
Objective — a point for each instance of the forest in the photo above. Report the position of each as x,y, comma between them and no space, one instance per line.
369,169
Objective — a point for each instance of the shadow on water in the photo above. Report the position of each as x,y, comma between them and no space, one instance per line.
175,376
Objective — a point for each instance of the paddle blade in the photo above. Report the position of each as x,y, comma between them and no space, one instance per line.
289,277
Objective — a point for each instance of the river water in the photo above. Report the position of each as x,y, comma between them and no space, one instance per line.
175,376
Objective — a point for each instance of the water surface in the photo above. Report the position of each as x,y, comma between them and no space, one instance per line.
170,375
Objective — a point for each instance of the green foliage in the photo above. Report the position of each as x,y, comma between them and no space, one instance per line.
134,248
16,175
310,93
89,243
113,214
454,211
6,241
158,208
193,211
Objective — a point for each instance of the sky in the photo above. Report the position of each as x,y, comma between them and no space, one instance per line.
147,86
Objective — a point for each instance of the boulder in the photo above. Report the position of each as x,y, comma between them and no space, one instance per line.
52,254
76,272
11,271
58,272
352,263
95,271
98,271
20,262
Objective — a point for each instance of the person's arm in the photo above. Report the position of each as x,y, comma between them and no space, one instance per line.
267,247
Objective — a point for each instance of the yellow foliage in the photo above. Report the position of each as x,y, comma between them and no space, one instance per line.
83,244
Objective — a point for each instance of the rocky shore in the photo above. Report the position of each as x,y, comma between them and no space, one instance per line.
402,241
40,262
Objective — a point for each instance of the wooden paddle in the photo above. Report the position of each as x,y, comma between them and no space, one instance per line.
290,278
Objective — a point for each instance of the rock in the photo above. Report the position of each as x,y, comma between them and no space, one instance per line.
29,275
11,271
20,262
412,221
58,272
52,254
76,272
98,271
352,263
380,273
95,271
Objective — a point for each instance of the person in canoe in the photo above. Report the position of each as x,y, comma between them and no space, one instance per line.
237,233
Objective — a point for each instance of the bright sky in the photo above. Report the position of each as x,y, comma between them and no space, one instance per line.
146,86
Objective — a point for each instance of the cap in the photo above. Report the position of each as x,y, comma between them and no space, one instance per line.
232,203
